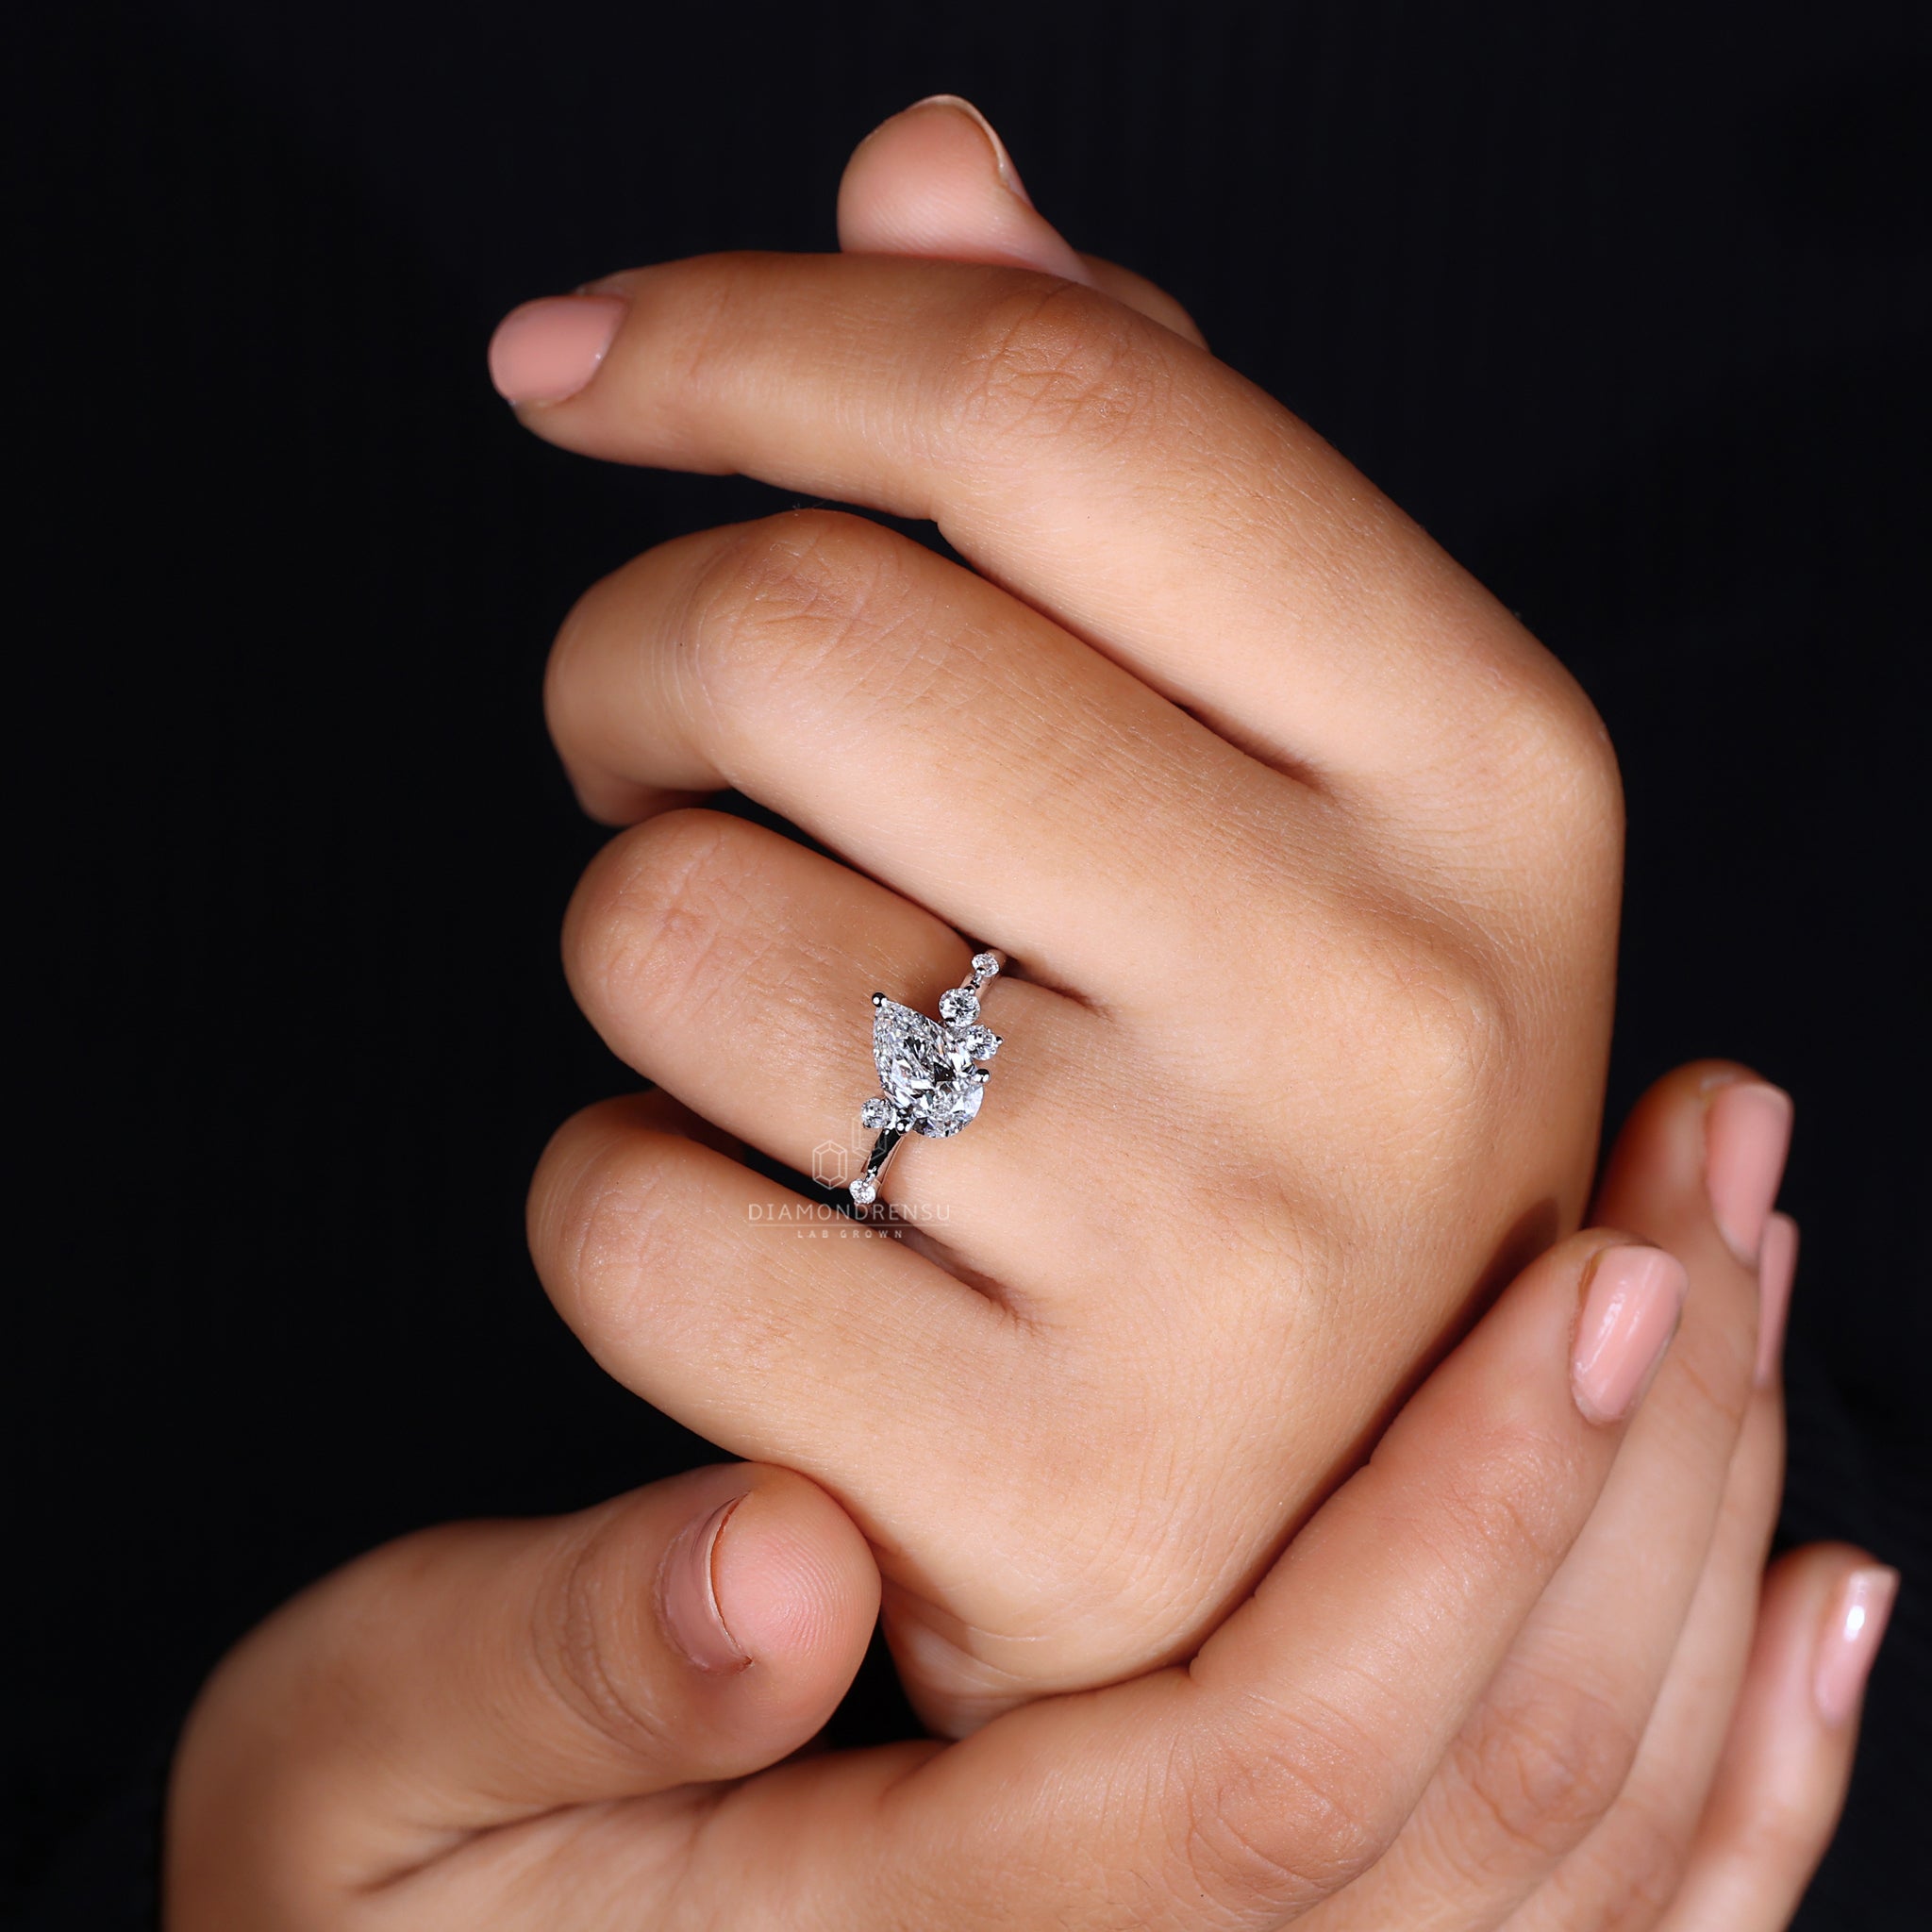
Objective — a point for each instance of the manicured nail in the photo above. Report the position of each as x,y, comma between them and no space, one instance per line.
688,1593
1850,1640
1748,1130
1003,161
1777,1263
548,350
1630,1315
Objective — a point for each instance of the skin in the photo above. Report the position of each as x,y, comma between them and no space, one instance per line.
1445,1705
1432,1712
1307,856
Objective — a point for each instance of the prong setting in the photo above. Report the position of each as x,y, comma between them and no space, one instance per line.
929,1071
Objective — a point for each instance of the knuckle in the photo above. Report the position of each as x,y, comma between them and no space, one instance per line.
1047,361
782,599
604,1224
1780,1833
1543,1762
1452,1031
648,916
1437,1030
1284,1818
584,1603
1556,764
1640,1862
1514,1489
1715,1359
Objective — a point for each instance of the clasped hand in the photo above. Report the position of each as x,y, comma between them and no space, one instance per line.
1309,857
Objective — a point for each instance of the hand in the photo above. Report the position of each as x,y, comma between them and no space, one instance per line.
1306,853
1427,1716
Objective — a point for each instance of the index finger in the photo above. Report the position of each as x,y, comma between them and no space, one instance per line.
1116,476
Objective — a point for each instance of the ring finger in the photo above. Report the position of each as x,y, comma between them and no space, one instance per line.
734,967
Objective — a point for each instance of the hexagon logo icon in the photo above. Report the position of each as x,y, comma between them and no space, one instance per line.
831,1164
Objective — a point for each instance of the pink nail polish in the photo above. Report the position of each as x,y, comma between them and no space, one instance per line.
689,1597
548,350
1778,1264
1748,1130
1849,1641
1629,1316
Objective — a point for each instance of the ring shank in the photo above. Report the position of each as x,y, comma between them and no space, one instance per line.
865,1188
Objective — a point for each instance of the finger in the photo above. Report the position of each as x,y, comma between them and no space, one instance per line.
1547,1753
761,1321
1137,292
1111,473
735,968
484,1673
782,657
784,1332
1282,1761
1629,1865
1788,1759
1633,1862
937,180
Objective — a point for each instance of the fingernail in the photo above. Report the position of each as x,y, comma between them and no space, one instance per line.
1746,1133
548,350
1003,161
1850,1640
689,1594
1629,1315
1777,1263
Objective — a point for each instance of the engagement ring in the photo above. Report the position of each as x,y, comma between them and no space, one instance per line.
928,1069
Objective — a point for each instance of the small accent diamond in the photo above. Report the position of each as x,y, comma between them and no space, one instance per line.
985,966
865,1191
958,1006
877,1113
982,1043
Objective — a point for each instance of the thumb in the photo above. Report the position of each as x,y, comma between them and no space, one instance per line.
937,181
483,1672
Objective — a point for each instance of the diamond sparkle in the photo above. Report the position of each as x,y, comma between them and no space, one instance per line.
926,1070
929,1070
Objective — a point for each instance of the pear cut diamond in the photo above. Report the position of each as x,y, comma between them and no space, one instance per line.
926,1070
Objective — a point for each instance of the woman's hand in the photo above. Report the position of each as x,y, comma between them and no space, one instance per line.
1306,853
1493,1675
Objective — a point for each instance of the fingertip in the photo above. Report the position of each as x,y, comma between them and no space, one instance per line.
1633,1298
1777,1268
795,1580
1787,1761
547,351
935,180
1003,161
1697,1165
1747,1136
1848,1638
1137,292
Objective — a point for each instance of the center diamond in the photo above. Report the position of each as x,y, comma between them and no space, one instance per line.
925,1069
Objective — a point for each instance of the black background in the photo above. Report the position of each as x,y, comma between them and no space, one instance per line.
1627,303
